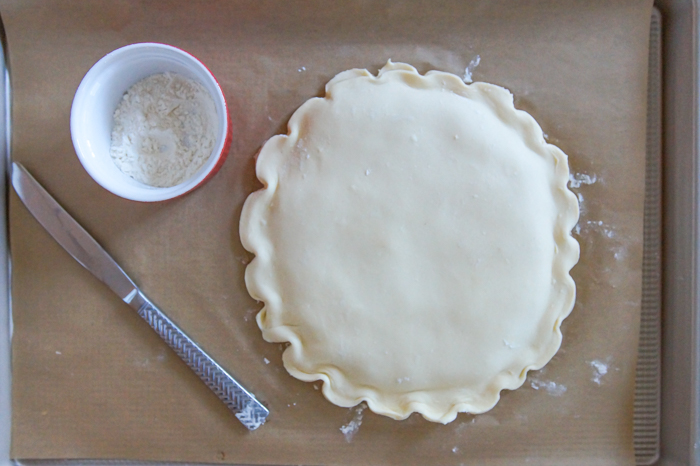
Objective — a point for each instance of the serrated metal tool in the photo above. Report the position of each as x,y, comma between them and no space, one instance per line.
79,244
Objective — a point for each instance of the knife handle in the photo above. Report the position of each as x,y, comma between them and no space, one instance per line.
246,408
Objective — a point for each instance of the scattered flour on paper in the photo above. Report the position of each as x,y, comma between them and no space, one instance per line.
350,429
470,69
599,370
164,130
620,253
581,205
548,386
601,227
577,179
250,314
485,420
595,226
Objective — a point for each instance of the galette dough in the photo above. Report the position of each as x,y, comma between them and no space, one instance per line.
412,243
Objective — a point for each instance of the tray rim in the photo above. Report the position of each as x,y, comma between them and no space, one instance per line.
680,352
680,426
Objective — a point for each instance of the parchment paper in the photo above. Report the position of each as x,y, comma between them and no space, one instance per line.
91,380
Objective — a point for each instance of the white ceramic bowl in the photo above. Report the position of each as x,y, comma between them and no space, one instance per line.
99,94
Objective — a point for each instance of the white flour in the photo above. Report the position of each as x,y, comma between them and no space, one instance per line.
599,370
350,429
550,387
470,69
164,130
577,179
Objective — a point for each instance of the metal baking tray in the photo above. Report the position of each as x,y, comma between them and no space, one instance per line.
679,396
667,391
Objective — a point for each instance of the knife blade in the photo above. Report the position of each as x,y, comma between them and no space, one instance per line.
88,252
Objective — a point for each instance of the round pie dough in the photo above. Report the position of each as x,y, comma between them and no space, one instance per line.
412,243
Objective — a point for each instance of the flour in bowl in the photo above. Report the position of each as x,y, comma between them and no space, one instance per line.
164,130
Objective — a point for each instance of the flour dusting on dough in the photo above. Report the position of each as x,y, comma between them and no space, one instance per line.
509,344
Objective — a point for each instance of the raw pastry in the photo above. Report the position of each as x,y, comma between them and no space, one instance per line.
412,243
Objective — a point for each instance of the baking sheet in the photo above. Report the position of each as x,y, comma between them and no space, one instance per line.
92,381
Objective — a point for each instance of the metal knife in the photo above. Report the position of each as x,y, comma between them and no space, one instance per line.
79,244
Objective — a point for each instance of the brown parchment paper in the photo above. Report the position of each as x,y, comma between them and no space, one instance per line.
91,380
